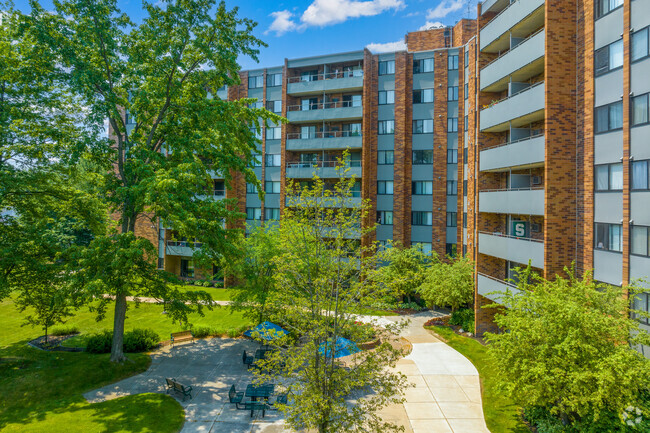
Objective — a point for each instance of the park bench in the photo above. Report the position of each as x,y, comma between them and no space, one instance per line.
234,396
253,406
179,337
173,385
247,360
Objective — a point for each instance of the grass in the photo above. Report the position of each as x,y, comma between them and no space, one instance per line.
217,293
501,413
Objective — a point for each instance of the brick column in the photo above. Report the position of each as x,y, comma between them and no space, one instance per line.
439,220
283,139
369,150
626,140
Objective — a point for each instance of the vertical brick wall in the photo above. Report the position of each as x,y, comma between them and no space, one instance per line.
263,150
626,140
403,157
283,139
461,145
425,40
237,188
439,229
369,137
560,129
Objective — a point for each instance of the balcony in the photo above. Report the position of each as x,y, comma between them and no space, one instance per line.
505,247
525,153
181,248
512,201
346,81
323,169
323,201
519,19
493,6
328,111
520,109
524,61
487,284
324,141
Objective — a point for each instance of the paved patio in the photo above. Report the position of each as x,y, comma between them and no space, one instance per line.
446,396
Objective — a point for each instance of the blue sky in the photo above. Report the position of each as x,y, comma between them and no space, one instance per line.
303,28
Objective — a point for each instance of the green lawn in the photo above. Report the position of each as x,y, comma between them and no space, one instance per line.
217,293
501,413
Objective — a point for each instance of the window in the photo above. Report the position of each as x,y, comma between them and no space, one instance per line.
422,65
274,106
273,80
255,82
273,133
640,44
219,187
422,157
452,93
466,57
425,247
609,58
424,126
422,188
272,187
257,133
385,157
253,213
385,127
609,177
385,187
385,217
386,97
466,93
387,68
450,250
641,301
640,109
309,75
466,123
257,160
608,237
251,188
422,96
464,220
451,219
351,130
419,218
309,104
603,7
464,188
271,213
273,160
452,187
452,63
609,117
640,172
452,124
640,240
350,101
452,156
256,104
465,160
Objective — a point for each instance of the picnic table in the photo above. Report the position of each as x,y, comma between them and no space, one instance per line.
261,353
259,391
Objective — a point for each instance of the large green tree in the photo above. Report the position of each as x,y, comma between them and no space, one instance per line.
448,283
566,347
156,82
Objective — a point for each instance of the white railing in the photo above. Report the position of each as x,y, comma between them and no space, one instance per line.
326,76
323,134
530,188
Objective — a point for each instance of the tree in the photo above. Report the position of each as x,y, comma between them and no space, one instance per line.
254,264
321,275
156,84
565,346
448,283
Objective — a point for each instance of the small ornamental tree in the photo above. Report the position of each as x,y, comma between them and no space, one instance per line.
566,347
448,283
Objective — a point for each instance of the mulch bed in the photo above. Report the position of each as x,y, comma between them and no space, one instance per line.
444,321
53,343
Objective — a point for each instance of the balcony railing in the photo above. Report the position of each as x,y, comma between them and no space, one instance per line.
505,53
323,134
184,244
508,143
326,76
323,164
322,106
502,235
513,248
520,108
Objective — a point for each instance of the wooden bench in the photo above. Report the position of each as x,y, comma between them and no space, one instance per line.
179,337
173,385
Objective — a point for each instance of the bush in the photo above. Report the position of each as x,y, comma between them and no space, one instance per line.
207,283
140,340
100,343
463,318
202,332
410,306
65,330
197,282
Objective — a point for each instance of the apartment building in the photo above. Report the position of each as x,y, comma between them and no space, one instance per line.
520,136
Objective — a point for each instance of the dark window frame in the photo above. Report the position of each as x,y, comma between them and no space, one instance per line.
609,120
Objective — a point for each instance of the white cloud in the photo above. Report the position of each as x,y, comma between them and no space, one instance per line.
321,13
282,23
445,8
428,25
388,47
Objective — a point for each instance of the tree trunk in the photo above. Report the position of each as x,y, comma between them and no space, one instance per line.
46,334
117,349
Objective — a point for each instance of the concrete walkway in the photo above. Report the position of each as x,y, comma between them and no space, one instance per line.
446,396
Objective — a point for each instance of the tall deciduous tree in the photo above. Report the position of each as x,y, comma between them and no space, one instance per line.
156,83
448,283
566,347
322,278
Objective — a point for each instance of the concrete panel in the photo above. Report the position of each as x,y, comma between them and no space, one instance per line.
452,235
640,14
516,250
327,114
273,173
386,142
520,153
421,234
385,172
272,200
273,146
256,93
608,267
452,78
640,208
452,140
384,232
253,200
325,172
422,202
422,172
452,109
608,147
452,202
386,82
488,287
330,58
331,85
386,112
527,102
640,269
422,111
502,23
385,202
179,251
325,143
274,93
608,207
452,171
609,88
422,141
639,148
640,83
526,202
423,81
608,29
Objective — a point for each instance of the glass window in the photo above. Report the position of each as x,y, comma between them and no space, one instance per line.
253,213
257,160
640,109
424,126
616,55
385,157
609,117
609,177
451,219
387,68
466,56
422,188
422,96
422,157
386,127
616,176
452,93
640,240
386,97
640,44
274,106
422,65
452,187
465,220
466,93
419,218
272,187
603,7
273,133
609,57
351,130
452,124
452,156
640,174
273,160
255,82
602,177
452,62
274,80
251,188
385,187
271,213
615,237
385,217
616,116
608,237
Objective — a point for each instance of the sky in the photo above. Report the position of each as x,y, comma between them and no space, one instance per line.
305,28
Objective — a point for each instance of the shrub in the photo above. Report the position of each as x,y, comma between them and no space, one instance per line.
202,332
207,283
232,333
65,330
140,340
463,318
410,306
100,343
197,282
